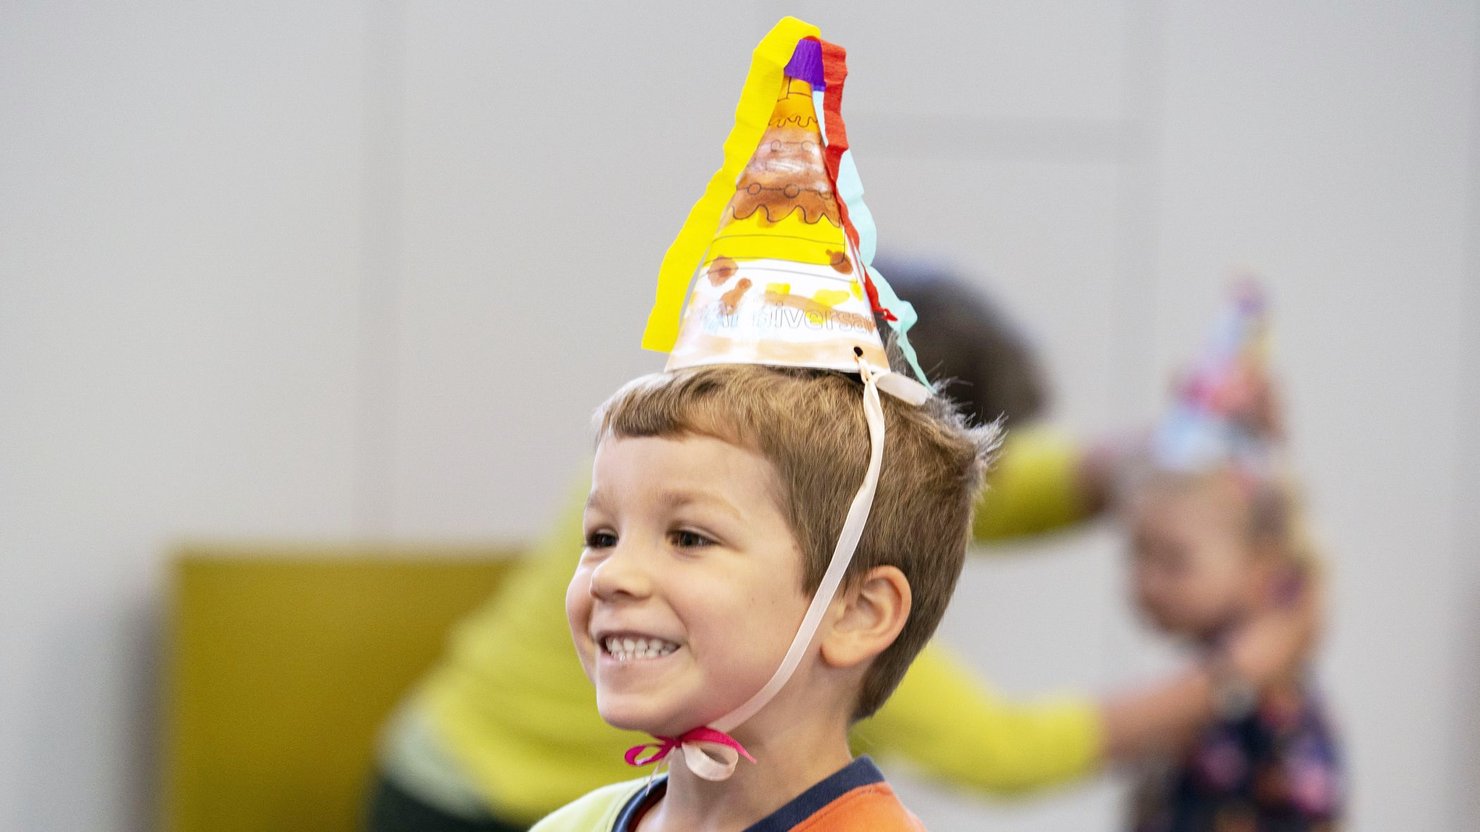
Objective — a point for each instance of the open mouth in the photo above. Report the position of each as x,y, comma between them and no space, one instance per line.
632,648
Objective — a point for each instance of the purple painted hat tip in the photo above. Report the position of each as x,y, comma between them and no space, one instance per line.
806,63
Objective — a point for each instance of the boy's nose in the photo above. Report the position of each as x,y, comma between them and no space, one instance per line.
622,573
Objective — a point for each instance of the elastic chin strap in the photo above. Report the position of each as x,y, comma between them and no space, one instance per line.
710,752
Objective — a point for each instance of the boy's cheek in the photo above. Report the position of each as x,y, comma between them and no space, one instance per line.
578,614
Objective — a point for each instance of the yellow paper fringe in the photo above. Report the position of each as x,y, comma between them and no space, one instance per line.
757,100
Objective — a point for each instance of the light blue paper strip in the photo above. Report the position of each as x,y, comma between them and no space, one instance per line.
904,312
850,190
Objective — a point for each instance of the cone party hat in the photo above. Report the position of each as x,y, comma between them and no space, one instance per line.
1201,429
775,263
773,256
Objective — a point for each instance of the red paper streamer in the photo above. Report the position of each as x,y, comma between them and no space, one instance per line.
834,72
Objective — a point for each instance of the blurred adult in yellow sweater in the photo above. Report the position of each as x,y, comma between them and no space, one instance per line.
505,728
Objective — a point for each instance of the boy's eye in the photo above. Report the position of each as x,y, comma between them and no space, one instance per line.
600,540
685,539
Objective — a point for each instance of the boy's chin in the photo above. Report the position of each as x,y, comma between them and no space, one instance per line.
635,717
644,717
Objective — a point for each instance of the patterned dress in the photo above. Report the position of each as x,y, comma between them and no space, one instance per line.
1276,770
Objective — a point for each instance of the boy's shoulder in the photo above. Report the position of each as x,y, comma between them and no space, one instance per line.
855,797
874,807
597,810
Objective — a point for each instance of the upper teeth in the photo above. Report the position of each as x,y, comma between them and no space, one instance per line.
627,648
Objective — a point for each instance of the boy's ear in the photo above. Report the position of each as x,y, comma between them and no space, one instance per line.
867,617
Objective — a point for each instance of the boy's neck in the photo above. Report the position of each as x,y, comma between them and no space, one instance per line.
790,758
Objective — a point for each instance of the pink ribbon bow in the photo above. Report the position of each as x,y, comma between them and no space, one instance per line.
710,754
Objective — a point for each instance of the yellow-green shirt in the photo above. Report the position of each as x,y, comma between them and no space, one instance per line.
511,708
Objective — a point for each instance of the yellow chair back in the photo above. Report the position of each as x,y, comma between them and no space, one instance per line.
282,666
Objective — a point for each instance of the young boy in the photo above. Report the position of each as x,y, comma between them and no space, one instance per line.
717,496
776,522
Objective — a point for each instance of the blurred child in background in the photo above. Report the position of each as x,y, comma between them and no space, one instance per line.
1218,538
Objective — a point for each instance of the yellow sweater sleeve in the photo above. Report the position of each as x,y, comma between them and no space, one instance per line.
1033,488
596,812
950,725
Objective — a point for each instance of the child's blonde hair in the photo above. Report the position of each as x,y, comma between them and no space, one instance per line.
1271,515
809,424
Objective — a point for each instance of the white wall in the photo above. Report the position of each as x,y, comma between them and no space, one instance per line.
362,268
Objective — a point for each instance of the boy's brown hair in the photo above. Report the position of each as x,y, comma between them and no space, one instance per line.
809,424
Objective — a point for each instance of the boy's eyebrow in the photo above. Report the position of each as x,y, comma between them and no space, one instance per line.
679,499
673,499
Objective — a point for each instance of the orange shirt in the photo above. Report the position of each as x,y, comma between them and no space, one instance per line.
873,806
854,797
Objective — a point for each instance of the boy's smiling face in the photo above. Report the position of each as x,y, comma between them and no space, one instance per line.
689,589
